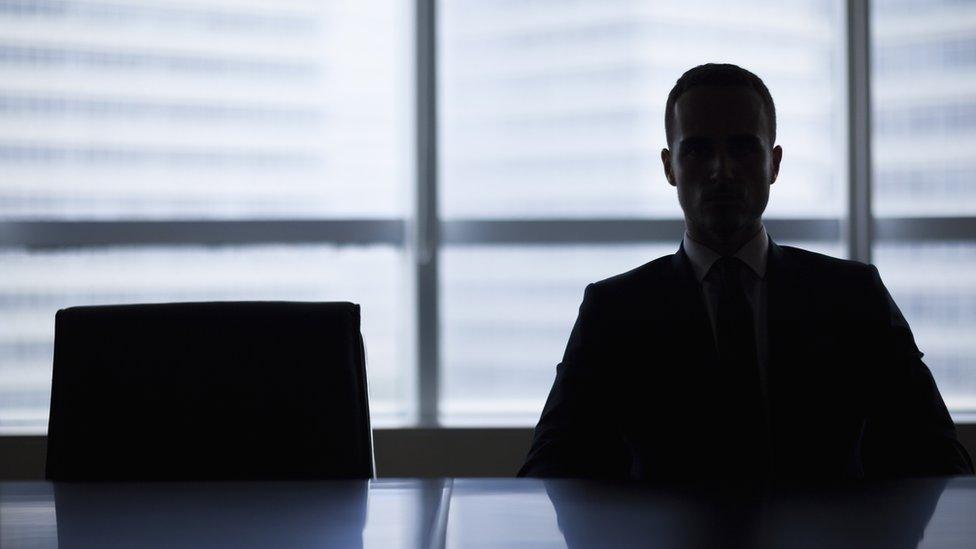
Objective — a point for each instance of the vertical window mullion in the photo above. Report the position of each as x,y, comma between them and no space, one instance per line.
426,221
859,222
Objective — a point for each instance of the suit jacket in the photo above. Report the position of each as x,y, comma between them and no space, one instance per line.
639,394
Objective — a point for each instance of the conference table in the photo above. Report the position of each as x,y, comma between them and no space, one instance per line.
389,513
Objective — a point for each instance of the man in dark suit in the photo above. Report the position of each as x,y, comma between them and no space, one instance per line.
737,358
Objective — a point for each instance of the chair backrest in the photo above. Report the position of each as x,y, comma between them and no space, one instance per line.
209,391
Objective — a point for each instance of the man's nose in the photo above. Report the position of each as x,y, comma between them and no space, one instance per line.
723,167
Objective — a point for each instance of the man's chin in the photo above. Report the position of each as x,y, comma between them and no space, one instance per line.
722,226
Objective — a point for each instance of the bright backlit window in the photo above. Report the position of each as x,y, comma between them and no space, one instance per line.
554,110
237,150
216,123
924,86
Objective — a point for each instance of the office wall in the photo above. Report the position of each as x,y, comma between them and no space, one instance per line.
399,452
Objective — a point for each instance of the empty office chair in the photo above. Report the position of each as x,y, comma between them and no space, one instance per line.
209,391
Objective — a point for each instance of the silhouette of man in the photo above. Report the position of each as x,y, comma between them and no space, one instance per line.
737,358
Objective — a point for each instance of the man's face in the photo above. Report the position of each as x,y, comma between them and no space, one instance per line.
721,159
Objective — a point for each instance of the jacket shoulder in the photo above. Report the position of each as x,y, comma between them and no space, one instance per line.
636,278
824,265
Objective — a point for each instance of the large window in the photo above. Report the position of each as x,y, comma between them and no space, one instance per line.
209,150
551,125
924,141
460,168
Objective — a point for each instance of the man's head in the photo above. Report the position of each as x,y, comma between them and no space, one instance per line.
720,124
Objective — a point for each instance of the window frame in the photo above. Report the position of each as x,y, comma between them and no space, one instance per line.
426,233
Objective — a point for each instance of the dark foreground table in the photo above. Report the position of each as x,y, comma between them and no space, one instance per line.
485,513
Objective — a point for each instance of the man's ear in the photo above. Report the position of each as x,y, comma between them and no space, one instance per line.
666,160
777,157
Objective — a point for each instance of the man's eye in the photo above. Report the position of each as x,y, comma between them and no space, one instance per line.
743,149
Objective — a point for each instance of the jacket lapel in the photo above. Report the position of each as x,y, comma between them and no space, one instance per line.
788,309
776,292
694,328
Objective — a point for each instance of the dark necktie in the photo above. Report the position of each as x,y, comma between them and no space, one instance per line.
739,372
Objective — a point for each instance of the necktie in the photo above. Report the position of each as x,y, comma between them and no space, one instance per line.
739,372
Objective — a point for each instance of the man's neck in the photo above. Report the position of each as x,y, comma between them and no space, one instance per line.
725,244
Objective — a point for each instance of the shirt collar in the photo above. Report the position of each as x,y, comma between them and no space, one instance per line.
753,253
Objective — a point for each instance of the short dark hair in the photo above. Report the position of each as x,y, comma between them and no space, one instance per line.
719,74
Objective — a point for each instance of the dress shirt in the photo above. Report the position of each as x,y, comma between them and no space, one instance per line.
753,253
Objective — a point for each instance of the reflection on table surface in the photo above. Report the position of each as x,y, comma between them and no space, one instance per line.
486,513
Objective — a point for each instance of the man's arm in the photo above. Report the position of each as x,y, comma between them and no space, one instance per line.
909,431
577,435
